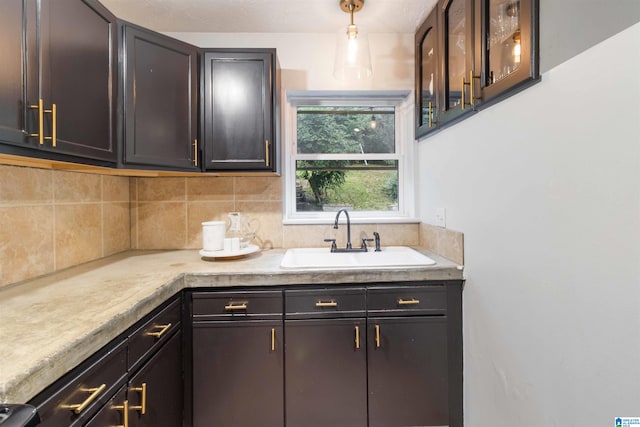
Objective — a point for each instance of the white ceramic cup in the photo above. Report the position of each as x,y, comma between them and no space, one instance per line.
213,233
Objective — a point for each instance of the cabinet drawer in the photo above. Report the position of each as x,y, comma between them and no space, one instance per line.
78,395
319,303
407,300
154,332
237,305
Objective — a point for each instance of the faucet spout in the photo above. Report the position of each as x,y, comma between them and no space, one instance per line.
335,225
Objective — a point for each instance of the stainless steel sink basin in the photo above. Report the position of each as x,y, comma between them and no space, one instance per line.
390,256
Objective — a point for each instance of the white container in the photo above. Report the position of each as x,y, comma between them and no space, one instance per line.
213,233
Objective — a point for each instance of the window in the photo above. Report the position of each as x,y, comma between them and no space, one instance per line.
348,150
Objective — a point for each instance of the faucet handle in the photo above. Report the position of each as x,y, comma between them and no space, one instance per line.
333,244
364,243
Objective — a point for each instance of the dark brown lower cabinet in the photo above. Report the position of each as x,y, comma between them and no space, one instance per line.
408,371
113,413
238,373
155,391
128,383
326,373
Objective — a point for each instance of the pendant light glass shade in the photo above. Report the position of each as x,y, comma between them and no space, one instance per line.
352,61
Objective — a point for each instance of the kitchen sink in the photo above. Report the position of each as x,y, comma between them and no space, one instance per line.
390,256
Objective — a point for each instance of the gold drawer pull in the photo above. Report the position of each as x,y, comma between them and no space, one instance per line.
79,407
411,301
331,303
357,337
125,413
143,399
377,327
273,339
240,305
161,332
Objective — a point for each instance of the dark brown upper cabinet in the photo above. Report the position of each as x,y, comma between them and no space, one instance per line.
159,92
240,91
58,73
427,75
507,39
470,54
11,87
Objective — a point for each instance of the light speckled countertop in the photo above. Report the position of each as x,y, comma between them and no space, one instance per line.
50,324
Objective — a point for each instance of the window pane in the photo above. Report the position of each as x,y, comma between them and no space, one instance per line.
355,130
328,185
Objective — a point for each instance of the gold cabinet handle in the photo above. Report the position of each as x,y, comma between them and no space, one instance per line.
54,125
266,151
143,398
195,152
273,339
331,303
471,90
161,332
125,413
40,134
357,337
239,305
377,328
79,407
411,301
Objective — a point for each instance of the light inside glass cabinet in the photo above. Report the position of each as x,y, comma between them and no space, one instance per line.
503,44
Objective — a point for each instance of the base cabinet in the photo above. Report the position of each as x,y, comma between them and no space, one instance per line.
237,359
238,365
407,371
326,373
155,391
136,380
380,355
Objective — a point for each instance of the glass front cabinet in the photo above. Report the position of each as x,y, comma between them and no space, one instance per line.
470,54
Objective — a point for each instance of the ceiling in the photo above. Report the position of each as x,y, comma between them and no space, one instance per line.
270,16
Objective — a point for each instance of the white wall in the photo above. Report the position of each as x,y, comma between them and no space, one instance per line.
306,60
546,188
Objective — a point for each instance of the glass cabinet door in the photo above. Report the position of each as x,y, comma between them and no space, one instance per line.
507,38
426,76
457,44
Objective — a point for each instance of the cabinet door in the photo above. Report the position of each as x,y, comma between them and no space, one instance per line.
325,373
426,75
113,412
155,391
507,40
408,371
160,100
456,50
238,110
78,74
11,88
238,374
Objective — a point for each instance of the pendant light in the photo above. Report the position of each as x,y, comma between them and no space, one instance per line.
353,60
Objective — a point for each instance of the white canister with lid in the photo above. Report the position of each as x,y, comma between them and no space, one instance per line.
213,234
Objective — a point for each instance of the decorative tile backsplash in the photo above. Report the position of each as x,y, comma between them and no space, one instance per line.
53,219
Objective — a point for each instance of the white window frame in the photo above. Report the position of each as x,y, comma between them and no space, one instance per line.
403,103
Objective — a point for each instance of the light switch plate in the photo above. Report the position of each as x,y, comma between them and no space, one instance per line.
441,217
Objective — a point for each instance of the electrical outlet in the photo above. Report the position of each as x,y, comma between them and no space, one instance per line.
441,217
